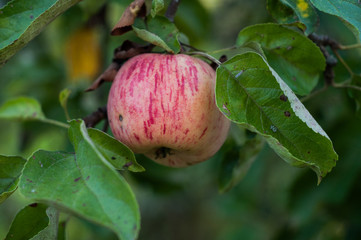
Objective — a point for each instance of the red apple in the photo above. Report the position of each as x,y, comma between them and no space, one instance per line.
164,106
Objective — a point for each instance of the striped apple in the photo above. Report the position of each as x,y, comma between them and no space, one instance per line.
164,106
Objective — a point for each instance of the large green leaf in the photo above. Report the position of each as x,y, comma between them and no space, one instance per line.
347,10
10,171
158,31
22,108
29,222
249,92
22,20
293,56
84,183
290,11
119,155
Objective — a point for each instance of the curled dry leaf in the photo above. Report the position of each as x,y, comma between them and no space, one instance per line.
136,8
127,50
131,49
107,76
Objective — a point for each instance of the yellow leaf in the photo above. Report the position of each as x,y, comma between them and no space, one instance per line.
83,55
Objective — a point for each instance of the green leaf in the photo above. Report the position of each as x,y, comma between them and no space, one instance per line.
293,56
119,155
237,160
85,184
158,31
10,171
22,20
51,231
25,109
249,92
280,11
22,108
290,11
349,11
356,94
157,6
30,221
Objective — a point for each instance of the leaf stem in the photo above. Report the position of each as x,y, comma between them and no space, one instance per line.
203,54
343,62
315,93
347,86
352,46
55,122
66,113
222,50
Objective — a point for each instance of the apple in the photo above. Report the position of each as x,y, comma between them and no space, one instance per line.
163,106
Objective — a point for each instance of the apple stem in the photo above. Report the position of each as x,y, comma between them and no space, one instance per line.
203,54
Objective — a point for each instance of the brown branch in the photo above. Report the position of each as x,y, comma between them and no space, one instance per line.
172,10
322,42
94,118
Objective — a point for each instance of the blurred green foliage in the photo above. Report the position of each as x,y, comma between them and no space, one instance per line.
273,201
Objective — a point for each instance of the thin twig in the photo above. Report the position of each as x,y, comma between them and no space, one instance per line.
206,56
352,46
95,117
222,50
315,93
191,47
343,62
347,86
172,10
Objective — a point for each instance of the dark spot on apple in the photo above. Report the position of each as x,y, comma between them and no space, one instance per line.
87,178
33,205
287,114
308,152
120,117
162,152
283,98
113,158
29,180
128,164
31,16
77,179
293,38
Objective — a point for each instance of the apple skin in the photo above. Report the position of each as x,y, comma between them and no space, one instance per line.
163,106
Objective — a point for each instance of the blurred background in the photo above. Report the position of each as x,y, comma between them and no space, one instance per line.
273,201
